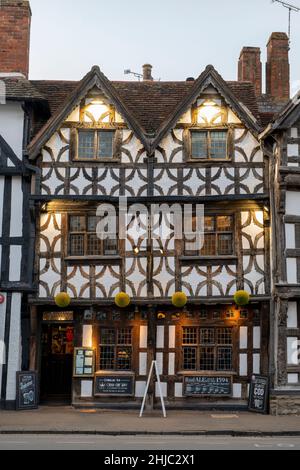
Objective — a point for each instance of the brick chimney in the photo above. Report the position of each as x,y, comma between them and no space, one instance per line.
250,68
15,20
278,67
147,73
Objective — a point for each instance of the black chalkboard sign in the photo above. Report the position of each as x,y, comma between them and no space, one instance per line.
207,385
27,391
259,394
114,385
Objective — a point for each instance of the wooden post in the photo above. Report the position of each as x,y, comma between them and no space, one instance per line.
33,338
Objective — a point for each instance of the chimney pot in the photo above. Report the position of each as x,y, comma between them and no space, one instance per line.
147,73
278,67
250,68
190,79
15,40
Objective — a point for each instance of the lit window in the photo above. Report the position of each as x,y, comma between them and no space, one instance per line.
83,239
218,237
209,145
95,145
115,349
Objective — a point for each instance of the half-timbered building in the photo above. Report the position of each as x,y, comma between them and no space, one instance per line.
196,142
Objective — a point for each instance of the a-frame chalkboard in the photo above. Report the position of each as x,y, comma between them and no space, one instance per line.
259,394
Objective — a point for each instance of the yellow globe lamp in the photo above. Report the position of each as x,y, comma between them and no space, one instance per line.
62,300
122,300
241,298
179,299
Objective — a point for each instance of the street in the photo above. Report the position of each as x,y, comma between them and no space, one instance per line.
84,442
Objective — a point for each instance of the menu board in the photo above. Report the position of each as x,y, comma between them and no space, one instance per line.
27,392
114,385
84,362
259,394
207,385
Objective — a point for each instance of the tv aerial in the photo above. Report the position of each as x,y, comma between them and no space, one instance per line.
290,8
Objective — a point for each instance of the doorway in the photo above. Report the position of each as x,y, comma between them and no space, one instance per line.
57,341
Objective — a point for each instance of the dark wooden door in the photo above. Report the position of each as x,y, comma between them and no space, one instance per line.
57,361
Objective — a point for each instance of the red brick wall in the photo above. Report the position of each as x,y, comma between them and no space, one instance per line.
278,67
250,68
15,19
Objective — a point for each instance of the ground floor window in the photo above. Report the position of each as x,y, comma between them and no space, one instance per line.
115,349
206,348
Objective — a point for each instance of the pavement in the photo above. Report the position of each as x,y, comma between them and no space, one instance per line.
67,420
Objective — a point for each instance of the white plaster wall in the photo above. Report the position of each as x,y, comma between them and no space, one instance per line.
256,337
15,259
87,336
293,203
14,354
256,363
243,365
143,363
178,390
140,387
292,350
292,378
160,341
164,386
292,150
11,126
143,336
2,181
292,320
172,330
16,221
291,268
171,364
86,388
243,337
294,132
290,239
237,390
2,330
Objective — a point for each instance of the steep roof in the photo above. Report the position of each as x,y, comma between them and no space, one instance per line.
151,108
19,88
151,102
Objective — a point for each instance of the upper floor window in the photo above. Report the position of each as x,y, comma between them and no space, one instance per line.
209,144
83,239
95,144
218,237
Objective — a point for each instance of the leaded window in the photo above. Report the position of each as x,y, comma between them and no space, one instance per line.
115,349
95,144
209,144
207,348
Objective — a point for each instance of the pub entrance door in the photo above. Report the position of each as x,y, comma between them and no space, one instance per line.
56,362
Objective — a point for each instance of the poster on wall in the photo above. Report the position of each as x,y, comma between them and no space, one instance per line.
84,362
27,391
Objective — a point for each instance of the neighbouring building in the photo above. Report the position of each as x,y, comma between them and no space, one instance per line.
206,141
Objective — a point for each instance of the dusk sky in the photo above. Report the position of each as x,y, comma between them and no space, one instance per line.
178,37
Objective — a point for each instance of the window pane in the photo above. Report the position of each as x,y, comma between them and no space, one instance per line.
224,359
94,245
199,145
224,223
189,358
77,223
124,358
107,354
189,336
92,223
207,335
107,336
209,247
224,335
110,246
125,336
86,144
218,145
76,245
207,359
224,244
105,144
209,224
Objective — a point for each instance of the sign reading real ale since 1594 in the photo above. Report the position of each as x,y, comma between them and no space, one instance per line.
207,385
